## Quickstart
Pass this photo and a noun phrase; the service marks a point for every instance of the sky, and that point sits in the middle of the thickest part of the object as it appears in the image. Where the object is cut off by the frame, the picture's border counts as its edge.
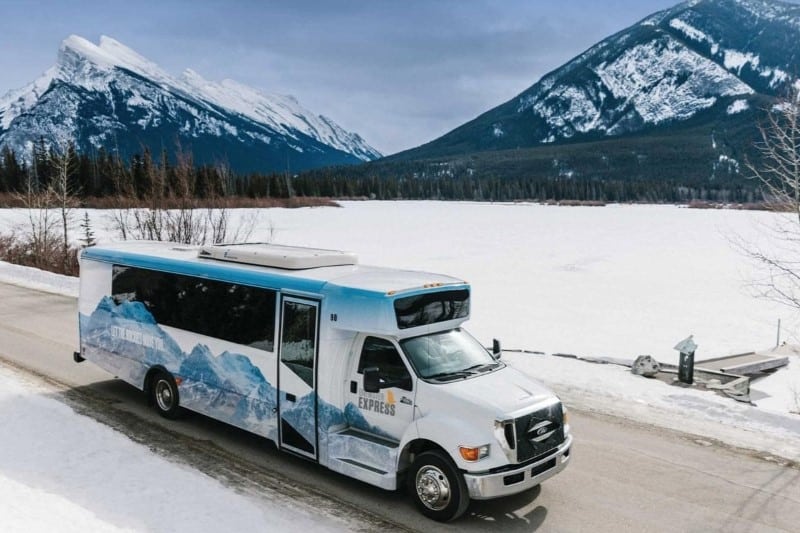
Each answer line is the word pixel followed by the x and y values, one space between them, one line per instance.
pixel 399 73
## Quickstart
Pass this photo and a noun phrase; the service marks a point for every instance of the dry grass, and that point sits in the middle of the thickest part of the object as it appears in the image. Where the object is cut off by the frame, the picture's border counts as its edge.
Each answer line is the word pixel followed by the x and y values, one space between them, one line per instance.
pixel 30 249
pixel 577 203
pixel 19 252
pixel 753 206
pixel 8 200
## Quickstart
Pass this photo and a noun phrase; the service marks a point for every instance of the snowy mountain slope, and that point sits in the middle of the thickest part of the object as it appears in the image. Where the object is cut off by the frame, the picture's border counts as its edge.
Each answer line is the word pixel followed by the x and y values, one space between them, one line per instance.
pixel 283 113
pixel 690 62
pixel 108 95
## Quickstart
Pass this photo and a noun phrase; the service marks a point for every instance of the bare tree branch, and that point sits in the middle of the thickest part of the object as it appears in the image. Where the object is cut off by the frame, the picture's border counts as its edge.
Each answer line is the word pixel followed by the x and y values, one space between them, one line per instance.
pixel 778 171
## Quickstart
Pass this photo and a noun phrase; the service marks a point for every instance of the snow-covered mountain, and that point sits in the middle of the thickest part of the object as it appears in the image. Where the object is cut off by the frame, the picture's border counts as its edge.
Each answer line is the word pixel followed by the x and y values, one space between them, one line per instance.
pixel 108 95
pixel 700 60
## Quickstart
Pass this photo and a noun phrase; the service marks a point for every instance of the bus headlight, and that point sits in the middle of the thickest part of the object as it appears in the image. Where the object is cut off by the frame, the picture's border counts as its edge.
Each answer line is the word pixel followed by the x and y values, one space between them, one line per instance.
pixel 474 453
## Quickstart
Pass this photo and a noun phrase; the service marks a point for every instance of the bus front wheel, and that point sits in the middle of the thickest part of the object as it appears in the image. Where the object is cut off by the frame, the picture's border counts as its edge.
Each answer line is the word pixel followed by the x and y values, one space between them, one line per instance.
pixel 437 487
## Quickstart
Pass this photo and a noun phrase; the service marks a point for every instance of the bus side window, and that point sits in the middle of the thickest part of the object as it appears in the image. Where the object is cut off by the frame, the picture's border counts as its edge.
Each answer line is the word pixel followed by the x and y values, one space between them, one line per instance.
pixel 382 354
pixel 235 313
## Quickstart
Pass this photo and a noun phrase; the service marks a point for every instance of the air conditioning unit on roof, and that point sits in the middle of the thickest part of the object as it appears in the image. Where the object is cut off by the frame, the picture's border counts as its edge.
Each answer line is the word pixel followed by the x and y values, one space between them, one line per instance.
pixel 278 256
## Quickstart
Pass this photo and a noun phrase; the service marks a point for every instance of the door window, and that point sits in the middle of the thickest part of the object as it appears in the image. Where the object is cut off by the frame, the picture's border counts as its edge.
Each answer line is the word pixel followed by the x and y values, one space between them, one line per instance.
pixel 299 339
pixel 382 354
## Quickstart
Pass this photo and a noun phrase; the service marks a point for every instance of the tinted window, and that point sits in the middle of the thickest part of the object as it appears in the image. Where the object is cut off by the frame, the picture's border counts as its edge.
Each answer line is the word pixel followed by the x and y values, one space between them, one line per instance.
pixel 382 354
pixel 430 308
pixel 235 313
pixel 298 342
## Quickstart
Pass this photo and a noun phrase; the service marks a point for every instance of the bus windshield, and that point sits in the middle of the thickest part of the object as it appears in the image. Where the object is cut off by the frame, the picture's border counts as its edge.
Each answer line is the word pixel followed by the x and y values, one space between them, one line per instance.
pixel 448 355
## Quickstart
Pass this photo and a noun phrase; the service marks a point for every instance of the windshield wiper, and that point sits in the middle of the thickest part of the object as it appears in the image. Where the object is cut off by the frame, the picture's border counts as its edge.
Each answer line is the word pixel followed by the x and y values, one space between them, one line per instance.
pixel 480 367
pixel 464 373
pixel 453 375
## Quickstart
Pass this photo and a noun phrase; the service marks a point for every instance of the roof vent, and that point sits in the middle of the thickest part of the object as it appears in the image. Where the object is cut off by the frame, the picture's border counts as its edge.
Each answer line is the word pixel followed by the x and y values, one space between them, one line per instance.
pixel 277 256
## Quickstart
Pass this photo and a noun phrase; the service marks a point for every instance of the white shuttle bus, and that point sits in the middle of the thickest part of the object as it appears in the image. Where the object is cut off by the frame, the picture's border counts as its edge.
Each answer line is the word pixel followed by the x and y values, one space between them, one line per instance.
pixel 365 370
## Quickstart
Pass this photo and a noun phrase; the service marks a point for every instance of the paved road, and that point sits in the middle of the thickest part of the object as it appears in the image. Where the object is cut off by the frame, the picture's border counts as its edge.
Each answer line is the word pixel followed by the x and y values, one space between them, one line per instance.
pixel 623 476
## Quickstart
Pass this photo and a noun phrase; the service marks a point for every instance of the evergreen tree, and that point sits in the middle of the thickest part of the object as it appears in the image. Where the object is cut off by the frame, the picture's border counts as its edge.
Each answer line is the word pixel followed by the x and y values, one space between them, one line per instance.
pixel 88 238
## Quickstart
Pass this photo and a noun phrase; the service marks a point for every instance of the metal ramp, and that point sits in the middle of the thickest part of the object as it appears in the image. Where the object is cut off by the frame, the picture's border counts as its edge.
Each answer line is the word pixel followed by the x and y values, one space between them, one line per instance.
pixel 744 364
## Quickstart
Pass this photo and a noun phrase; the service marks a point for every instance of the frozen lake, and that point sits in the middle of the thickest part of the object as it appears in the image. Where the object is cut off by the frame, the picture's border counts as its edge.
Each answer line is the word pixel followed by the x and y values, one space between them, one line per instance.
pixel 613 281
pixel 617 281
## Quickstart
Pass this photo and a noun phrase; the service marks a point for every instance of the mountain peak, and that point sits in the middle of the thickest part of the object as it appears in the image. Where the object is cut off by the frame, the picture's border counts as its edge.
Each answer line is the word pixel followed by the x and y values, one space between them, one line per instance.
pixel 765 11
pixel 76 51
pixel 79 45
pixel 108 95
pixel 690 62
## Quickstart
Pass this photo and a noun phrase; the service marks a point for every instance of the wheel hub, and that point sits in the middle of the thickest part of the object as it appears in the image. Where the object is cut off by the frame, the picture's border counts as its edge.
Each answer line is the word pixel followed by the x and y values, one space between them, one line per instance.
pixel 164 395
pixel 433 488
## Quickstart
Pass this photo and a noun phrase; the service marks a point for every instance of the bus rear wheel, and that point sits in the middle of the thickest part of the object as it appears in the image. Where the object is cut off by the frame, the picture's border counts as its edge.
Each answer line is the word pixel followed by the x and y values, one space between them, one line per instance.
pixel 164 395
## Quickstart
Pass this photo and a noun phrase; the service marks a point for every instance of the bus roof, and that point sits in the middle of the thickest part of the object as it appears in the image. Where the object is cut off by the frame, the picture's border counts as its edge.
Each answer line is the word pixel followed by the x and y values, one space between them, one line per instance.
pixel 299 272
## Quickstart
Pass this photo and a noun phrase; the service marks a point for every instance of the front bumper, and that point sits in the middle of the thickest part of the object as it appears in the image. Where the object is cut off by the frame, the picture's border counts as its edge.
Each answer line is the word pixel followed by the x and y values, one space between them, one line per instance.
pixel 488 486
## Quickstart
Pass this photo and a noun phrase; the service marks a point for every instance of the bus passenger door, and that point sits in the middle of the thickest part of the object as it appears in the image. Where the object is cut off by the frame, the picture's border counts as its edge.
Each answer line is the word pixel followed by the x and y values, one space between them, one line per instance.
pixel 297 376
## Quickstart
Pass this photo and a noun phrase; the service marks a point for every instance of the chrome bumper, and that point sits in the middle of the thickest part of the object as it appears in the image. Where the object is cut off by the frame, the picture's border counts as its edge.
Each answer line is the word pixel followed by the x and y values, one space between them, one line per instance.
pixel 487 486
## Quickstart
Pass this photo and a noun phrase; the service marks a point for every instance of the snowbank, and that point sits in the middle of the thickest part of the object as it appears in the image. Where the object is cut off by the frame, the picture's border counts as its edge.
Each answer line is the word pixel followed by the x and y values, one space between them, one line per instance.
pixel 60 471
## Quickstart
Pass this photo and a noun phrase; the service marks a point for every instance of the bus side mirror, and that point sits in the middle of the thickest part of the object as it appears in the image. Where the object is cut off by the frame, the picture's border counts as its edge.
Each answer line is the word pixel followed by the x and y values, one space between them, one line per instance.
pixel 497 351
pixel 372 380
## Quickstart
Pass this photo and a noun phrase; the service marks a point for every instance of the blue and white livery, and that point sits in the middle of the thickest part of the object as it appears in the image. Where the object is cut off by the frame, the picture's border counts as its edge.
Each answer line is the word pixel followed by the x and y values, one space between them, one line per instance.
pixel 365 370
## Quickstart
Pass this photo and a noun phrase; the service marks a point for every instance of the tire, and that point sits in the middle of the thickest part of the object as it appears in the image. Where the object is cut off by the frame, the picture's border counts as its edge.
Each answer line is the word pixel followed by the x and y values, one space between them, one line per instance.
pixel 437 487
pixel 164 395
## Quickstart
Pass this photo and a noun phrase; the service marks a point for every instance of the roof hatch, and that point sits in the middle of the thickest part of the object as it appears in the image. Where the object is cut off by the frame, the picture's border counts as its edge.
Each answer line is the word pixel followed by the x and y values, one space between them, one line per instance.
pixel 278 256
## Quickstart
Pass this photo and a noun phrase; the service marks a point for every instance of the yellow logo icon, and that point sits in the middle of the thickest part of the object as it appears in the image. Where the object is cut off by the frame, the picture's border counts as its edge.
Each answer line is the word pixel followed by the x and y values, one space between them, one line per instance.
pixel 389 397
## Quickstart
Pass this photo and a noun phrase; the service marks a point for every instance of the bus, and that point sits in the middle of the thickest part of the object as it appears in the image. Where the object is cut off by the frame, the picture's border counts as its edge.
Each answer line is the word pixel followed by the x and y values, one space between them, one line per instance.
pixel 365 370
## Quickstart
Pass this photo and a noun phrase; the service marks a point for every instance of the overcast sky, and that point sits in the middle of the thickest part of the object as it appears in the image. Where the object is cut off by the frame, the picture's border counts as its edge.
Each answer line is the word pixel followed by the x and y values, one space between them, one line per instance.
pixel 400 73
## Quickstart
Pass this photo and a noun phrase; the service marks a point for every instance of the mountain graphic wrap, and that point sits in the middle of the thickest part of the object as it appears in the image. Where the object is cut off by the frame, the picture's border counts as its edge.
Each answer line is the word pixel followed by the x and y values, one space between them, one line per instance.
pixel 109 96
pixel 228 386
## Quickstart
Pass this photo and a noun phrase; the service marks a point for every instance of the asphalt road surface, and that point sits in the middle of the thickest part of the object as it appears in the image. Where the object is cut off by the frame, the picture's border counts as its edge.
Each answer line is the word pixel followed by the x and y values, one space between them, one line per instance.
pixel 623 476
